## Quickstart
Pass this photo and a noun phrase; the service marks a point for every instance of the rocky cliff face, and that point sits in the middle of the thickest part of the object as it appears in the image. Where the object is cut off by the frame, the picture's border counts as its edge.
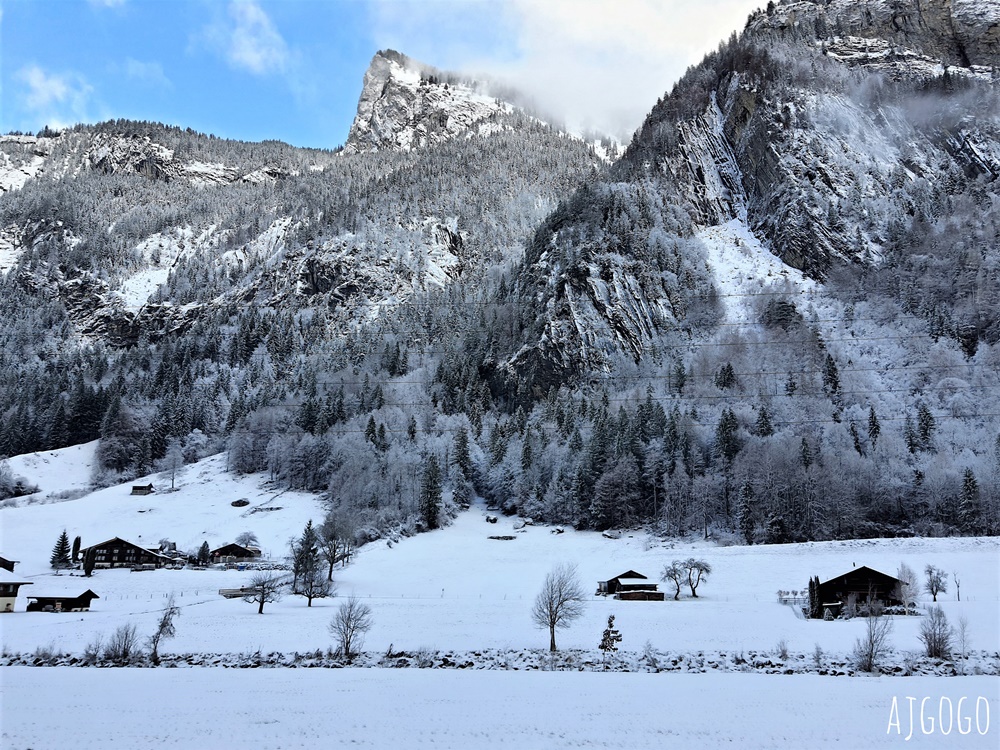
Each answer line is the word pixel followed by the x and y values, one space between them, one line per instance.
pixel 957 32
pixel 815 136
pixel 406 105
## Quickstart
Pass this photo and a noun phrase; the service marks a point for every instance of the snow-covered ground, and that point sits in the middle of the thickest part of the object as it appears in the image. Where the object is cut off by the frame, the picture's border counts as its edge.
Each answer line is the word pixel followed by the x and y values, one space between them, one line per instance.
pixel 455 589
pixel 57 473
pixel 300 708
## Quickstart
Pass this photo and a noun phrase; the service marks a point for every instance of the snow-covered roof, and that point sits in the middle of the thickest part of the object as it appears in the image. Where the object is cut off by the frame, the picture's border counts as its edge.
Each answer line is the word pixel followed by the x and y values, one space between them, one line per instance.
pixel 70 594
pixel 7 577
pixel 635 582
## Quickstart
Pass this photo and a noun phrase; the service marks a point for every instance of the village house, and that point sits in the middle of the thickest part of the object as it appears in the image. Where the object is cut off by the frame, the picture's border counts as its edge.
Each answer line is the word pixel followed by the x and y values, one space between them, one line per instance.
pixel 855 586
pixel 62 602
pixel 119 553
pixel 630 586
pixel 9 584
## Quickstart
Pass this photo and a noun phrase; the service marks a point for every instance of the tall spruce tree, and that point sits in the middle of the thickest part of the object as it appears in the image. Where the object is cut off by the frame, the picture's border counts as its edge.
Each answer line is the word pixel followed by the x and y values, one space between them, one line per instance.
pixel 430 493
pixel 61 553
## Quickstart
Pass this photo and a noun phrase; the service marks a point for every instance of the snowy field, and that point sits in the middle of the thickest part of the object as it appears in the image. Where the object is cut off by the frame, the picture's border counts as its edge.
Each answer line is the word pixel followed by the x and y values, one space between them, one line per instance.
pixel 285 708
pixel 454 589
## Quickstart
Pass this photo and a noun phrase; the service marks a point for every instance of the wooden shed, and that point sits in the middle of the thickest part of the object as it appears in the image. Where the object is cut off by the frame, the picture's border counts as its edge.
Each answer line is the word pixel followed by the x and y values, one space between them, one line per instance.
pixel 143 489
pixel 629 581
pixel 62 602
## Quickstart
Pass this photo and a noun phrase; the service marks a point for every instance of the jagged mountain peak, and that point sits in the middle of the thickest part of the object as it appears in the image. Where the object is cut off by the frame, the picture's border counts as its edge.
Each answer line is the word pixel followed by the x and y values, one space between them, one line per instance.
pixel 405 104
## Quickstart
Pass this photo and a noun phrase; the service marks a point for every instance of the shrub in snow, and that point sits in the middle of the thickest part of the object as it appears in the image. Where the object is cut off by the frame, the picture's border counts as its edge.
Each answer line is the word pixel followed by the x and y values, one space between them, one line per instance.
pixel 782 649
pixel 828 614
pixel 872 646
pixel 936 634
pixel 122 647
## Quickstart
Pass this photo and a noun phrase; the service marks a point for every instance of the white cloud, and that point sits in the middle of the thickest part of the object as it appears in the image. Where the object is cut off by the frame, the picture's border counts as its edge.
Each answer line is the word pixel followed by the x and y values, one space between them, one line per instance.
pixel 53 99
pixel 595 63
pixel 149 73
pixel 250 39
pixel 106 3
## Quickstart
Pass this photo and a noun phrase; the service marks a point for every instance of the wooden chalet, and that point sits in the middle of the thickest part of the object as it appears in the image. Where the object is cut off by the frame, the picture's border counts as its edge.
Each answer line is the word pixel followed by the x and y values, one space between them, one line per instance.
pixel 630 586
pixel 857 585
pixel 9 584
pixel 143 489
pixel 234 553
pixel 119 553
pixel 62 602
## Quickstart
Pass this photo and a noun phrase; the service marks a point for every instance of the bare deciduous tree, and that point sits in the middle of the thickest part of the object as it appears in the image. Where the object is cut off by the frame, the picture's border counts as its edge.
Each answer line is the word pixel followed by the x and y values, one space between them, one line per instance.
pixel 674 573
pixel 874 642
pixel 264 588
pixel 165 628
pixel 936 582
pixel 247 539
pixel 697 570
pixel 349 625
pixel 559 602
pixel 906 590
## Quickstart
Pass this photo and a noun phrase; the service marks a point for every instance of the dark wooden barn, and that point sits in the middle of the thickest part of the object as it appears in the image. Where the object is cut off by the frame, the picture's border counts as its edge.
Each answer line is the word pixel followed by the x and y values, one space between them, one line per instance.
pixel 856 585
pixel 8 565
pixel 62 603
pixel 234 553
pixel 119 553
pixel 143 489
pixel 629 581
pixel 9 584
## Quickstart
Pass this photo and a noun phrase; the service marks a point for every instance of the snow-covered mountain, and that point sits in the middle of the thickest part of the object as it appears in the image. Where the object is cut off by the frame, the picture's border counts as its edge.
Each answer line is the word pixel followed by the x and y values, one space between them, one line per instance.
pixel 775 317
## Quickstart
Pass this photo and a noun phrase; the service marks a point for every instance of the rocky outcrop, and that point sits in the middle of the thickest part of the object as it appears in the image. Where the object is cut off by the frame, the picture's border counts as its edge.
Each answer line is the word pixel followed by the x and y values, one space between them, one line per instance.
pixel 405 105
pixel 957 32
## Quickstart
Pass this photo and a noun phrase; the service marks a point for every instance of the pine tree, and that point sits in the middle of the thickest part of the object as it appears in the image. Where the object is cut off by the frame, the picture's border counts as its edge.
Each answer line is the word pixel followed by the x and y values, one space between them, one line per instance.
pixel 968 503
pixel 874 428
pixel 430 493
pixel 204 554
pixel 610 639
pixel 309 578
pixel 727 441
pixel 925 427
pixel 461 453
pixel 831 376
pixel 764 426
pixel 745 513
pixel 76 549
pixel 61 553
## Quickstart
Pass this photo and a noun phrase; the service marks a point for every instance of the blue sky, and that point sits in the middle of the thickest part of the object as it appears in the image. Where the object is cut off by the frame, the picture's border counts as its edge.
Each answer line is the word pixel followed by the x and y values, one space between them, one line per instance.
pixel 292 69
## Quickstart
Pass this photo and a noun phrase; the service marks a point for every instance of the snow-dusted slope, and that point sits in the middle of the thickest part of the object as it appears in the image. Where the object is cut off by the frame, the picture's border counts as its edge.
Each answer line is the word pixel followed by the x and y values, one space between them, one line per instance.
pixel 455 588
